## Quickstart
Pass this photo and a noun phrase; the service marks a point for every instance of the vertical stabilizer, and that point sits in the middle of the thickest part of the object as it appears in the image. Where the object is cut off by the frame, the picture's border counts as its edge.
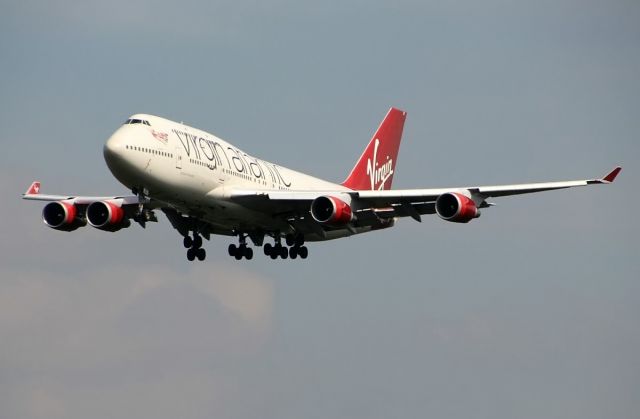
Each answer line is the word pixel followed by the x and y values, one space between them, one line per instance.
pixel 375 168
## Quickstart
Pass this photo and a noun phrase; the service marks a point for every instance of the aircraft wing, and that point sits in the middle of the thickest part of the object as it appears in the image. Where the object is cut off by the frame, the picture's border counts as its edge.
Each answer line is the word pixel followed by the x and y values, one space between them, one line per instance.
pixel 389 197
pixel 33 193
pixel 375 204
pixel 111 213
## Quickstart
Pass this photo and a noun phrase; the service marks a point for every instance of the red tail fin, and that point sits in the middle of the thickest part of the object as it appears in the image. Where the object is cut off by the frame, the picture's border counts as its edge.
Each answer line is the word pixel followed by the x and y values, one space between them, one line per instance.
pixel 377 164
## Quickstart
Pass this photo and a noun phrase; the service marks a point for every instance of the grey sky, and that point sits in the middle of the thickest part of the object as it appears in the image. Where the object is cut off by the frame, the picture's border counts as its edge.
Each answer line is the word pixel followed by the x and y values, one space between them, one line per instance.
pixel 530 311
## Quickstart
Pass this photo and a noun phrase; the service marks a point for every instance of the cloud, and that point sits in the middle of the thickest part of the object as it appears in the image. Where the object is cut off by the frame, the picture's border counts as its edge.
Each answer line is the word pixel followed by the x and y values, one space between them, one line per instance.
pixel 148 331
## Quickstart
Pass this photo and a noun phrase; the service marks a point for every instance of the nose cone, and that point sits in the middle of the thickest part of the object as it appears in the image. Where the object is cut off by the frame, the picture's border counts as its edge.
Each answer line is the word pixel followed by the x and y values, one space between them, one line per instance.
pixel 117 159
pixel 114 151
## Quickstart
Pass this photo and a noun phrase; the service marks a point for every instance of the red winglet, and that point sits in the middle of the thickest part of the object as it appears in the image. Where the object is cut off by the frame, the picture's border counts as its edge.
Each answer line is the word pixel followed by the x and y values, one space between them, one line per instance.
pixel 34 189
pixel 612 175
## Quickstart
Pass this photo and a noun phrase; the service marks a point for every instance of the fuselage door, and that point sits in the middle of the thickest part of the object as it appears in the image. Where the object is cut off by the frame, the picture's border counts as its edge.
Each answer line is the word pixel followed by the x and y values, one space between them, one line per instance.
pixel 178 158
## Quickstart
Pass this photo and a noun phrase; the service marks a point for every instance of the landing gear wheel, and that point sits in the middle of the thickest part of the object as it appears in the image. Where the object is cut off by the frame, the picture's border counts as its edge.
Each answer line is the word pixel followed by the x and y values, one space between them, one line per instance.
pixel 239 253
pixel 248 253
pixel 191 254
pixel 293 252
pixel 290 239
pixel 276 251
pixel 187 242
pixel 299 240
pixel 197 241
pixel 201 254
pixel 303 252
pixel 232 249
pixel 268 249
pixel 284 252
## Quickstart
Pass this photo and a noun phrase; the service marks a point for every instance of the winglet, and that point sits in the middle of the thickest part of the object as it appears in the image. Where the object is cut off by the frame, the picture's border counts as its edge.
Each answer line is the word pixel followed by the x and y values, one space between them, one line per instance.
pixel 34 189
pixel 612 175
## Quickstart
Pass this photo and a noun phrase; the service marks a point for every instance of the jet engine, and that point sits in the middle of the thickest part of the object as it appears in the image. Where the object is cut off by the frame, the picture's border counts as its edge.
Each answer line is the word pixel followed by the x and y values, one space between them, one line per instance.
pixel 62 216
pixel 456 208
pixel 331 210
pixel 105 215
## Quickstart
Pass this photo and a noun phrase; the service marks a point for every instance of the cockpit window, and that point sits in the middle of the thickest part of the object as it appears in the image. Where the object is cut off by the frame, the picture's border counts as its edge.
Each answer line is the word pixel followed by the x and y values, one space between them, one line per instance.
pixel 137 121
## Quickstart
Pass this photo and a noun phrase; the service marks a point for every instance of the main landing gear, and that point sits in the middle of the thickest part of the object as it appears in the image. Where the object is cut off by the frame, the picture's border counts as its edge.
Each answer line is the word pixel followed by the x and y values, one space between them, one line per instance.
pixel 242 250
pixel 296 248
pixel 195 247
pixel 293 248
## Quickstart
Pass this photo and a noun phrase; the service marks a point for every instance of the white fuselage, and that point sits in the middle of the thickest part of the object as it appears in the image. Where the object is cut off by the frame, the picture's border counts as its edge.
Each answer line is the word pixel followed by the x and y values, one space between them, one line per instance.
pixel 191 170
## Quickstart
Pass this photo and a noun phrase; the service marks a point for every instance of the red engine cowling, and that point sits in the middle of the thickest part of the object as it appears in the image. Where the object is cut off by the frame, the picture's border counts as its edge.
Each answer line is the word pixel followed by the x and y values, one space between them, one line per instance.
pixel 62 216
pixel 456 208
pixel 331 210
pixel 105 215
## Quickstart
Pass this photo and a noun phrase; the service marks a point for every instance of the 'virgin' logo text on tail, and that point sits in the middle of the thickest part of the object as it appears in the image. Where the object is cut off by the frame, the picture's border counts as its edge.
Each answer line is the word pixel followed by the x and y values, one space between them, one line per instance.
pixel 379 173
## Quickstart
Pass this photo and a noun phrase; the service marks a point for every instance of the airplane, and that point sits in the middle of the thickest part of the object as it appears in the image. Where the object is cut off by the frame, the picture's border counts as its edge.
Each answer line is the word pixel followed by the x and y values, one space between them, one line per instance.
pixel 206 186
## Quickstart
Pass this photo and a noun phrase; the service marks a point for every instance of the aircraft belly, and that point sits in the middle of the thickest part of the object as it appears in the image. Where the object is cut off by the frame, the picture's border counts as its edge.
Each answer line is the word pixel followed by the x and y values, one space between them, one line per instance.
pixel 226 215
pixel 241 218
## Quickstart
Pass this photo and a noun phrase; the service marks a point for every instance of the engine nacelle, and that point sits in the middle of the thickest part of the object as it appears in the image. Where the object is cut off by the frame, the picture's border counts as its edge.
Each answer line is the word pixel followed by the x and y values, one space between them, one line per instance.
pixel 61 216
pixel 105 215
pixel 331 210
pixel 456 208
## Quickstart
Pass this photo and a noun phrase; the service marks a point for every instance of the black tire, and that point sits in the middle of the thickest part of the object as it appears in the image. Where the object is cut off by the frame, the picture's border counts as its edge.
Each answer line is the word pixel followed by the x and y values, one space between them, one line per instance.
pixel 299 240
pixel 241 252
pixel 197 241
pixel 284 252
pixel 303 252
pixel 290 239
pixel 293 252
pixel 267 249
pixel 187 242
pixel 276 251
pixel 191 255
pixel 232 249
pixel 248 253
pixel 201 254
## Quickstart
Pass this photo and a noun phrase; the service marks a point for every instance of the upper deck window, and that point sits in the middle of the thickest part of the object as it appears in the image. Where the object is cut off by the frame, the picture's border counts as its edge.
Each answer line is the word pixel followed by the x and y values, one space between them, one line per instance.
pixel 137 121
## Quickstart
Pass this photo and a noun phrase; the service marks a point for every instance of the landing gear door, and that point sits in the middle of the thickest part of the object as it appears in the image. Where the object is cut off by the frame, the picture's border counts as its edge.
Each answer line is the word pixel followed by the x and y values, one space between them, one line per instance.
pixel 178 158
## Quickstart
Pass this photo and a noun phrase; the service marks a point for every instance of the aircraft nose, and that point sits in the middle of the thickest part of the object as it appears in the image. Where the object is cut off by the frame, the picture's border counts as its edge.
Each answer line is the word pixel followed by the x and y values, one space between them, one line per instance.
pixel 114 144
pixel 119 161
pixel 114 150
